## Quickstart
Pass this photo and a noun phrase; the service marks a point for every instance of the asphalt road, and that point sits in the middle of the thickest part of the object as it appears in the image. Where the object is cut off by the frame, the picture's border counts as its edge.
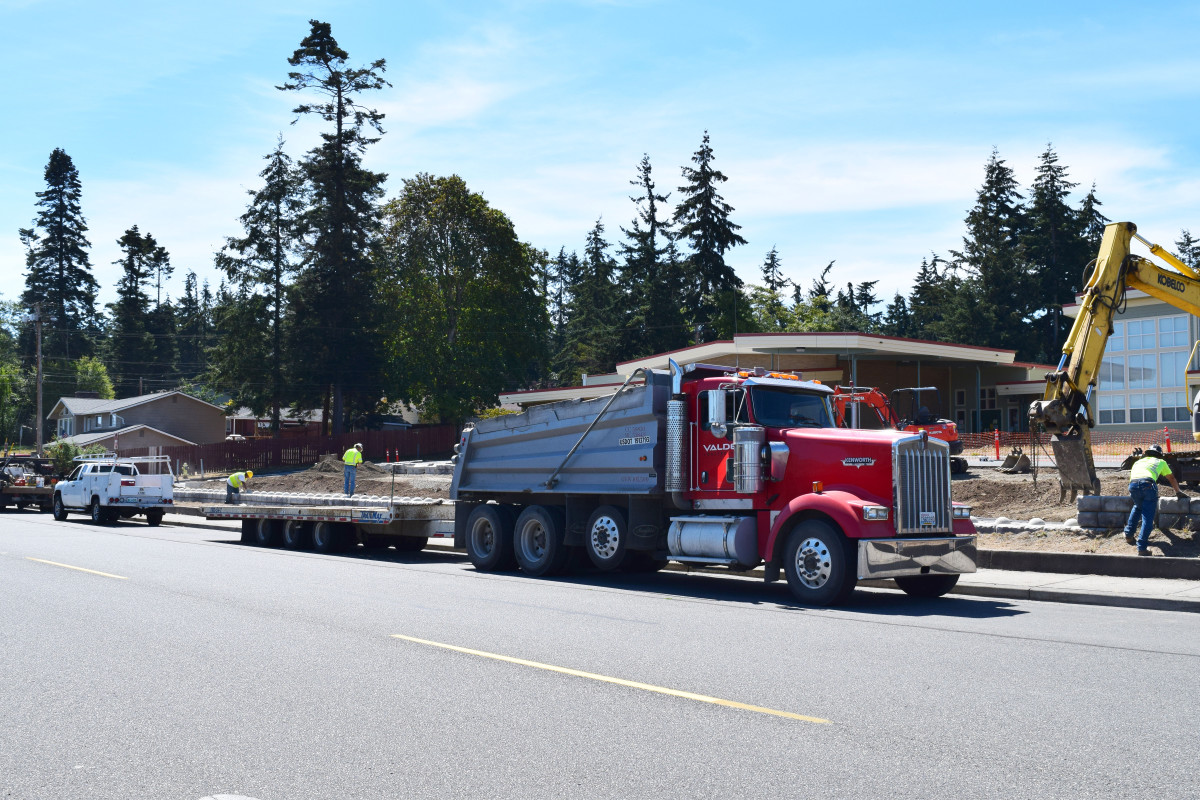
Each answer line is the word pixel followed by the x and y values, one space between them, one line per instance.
pixel 186 665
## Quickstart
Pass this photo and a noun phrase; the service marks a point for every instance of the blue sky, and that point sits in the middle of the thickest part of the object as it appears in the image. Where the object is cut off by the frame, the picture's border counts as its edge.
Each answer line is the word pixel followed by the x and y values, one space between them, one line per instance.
pixel 854 132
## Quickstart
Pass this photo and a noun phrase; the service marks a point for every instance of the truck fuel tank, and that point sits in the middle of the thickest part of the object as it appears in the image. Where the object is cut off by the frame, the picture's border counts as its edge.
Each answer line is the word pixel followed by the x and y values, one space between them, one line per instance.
pixel 726 539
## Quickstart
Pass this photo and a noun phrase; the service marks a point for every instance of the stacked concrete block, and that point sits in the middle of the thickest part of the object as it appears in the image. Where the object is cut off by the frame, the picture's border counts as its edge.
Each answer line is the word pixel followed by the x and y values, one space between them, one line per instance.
pixel 1110 513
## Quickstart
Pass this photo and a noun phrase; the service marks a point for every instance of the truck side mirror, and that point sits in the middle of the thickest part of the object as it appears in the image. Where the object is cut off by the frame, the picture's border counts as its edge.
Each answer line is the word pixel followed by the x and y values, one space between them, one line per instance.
pixel 716 413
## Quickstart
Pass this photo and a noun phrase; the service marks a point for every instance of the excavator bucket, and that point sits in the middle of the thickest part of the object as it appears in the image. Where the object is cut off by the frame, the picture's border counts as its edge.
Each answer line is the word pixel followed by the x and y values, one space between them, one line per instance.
pixel 1076 470
pixel 1010 460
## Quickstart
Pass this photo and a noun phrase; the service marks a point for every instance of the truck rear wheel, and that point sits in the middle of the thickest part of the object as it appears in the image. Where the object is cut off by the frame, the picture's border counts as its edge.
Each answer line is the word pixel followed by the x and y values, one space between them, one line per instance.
pixel 97 512
pixel 538 541
pixel 606 536
pixel 297 534
pixel 926 585
pixel 490 538
pixel 266 532
pixel 816 560
pixel 60 511
pixel 154 517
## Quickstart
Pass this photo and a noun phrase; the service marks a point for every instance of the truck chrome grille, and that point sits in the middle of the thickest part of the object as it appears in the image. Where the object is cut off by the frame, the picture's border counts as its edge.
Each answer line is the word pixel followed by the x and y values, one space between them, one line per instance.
pixel 922 481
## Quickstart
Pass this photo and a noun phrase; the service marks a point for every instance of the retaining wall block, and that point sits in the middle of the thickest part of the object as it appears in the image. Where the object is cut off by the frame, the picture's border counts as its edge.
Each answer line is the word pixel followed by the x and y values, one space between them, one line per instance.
pixel 1114 504
pixel 1112 519
pixel 1089 502
pixel 1089 519
pixel 1174 505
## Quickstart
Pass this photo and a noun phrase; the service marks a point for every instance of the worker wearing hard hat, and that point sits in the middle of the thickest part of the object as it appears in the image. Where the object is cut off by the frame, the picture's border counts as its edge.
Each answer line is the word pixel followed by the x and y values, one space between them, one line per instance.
pixel 233 487
pixel 352 458
pixel 1143 488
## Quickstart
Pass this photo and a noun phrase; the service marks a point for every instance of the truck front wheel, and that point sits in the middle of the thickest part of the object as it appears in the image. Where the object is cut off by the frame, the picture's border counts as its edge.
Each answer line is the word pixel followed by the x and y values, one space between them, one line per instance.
pixel 606 537
pixel 490 538
pixel 816 560
pixel 926 585
pixel 538 541
pixel 60 511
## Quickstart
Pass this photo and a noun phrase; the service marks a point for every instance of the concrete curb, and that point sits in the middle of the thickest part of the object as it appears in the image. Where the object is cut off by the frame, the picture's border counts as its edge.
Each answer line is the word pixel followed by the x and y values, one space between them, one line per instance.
pixel 1131 566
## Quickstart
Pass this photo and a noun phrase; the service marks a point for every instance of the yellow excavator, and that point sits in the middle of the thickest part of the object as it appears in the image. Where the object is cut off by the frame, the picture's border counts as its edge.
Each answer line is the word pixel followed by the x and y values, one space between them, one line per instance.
pixel 1066 407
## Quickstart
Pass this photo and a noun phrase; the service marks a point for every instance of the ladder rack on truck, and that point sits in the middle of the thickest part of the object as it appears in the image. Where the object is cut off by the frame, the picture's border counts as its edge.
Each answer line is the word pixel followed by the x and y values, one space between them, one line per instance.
pixel 405 525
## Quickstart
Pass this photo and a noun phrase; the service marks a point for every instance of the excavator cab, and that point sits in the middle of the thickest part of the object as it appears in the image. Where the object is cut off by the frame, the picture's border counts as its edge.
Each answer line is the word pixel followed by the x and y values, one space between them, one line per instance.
pixel 919 406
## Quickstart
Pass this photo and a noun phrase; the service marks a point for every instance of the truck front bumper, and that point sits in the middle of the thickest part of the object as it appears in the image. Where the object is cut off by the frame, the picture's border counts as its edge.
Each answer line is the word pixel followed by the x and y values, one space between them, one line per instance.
pixel 891 558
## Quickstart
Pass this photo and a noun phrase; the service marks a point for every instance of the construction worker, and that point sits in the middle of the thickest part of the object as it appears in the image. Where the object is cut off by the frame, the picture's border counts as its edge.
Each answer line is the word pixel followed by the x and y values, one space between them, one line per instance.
pixel 352 458
pixel 1143 488
pixel 233 487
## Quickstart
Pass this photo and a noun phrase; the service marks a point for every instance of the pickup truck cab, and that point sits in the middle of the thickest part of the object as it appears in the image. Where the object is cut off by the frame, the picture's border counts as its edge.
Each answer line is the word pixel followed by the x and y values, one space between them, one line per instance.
pixel 108 488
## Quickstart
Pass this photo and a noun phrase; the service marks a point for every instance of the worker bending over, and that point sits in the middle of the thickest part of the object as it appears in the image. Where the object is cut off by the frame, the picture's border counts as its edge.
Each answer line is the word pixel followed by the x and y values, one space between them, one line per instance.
pixel 233 487
pixel 1143 488
pixel 352 458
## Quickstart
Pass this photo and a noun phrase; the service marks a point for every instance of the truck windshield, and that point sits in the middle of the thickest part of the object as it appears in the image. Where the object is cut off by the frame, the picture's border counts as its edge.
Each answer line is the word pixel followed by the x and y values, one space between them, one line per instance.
pixel 776 408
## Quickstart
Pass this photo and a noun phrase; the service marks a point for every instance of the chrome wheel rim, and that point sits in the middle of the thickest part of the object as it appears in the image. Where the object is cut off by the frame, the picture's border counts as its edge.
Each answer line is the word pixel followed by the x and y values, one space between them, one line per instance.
pixel 533 541
pixel 605 537
pixel 483 537
pixel 814 564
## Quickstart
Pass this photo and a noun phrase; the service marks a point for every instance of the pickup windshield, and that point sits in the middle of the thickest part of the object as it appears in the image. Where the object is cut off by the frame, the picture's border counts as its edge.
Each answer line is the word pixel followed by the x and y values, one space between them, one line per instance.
pixel 776 408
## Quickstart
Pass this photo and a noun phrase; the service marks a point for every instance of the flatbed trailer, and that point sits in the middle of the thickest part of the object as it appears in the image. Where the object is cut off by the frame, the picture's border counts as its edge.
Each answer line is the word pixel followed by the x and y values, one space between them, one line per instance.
pixel 407 526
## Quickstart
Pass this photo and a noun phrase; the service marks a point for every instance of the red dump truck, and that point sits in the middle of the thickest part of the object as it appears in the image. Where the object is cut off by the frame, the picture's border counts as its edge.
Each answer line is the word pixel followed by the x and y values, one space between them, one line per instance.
pixel 712 465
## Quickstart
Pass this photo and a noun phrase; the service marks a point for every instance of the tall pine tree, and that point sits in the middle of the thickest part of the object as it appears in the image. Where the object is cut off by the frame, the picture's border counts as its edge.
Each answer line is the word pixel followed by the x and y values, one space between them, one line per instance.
pixel 131 345
pixel 652 281
pixel 334 297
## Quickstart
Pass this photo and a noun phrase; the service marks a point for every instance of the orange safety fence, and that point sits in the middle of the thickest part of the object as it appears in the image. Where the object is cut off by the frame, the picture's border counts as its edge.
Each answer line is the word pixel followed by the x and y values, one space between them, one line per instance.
pixel 1104 443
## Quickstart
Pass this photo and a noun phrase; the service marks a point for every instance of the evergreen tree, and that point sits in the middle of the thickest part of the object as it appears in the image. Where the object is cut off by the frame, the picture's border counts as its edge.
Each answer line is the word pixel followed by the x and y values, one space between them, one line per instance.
pixel 994 259
pixel 897 320
pixel 132 350
pixel 1056 246
pixel 1188 249
pixel 334 295
pixel 772 272
pixel 161 324
pixel 263 263
pixel 771 312
pixel 1092 220
pixel 59 273
pixel 652 282
pixel 194 324
pixel 703 220
pixel 593 337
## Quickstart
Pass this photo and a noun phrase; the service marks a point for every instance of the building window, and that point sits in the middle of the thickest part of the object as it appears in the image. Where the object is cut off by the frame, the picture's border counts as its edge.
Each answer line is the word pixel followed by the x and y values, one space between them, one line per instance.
pixel 1112 409
pixel 1116 342
pixel 1174 407
pixel 960 398
pixel 1112 373
pixel 1172 366
pixel 1143 407
pixel 987 399
pixel 1172 332
pixel 1141 371
pixel 1141 334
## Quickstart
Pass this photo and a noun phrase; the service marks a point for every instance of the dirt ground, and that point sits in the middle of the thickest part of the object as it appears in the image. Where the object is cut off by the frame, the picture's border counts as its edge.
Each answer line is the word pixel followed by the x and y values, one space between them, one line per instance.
pixel 990 494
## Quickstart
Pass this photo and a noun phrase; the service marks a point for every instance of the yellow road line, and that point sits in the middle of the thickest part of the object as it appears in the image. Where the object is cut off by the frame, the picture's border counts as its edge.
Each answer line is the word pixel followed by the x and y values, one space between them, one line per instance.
pixel 81 569
pixel 618 681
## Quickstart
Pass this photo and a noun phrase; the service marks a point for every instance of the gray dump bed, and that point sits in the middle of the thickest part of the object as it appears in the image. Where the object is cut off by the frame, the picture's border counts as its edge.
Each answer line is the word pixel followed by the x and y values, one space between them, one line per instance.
pixel 517 453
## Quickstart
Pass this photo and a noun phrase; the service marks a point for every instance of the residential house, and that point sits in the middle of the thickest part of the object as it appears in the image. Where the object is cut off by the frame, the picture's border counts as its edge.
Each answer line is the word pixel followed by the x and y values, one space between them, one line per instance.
pixel 149 420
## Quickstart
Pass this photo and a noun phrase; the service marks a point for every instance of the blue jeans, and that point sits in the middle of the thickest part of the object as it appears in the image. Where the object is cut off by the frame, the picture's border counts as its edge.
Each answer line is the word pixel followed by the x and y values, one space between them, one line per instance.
pixel 351 471
pixel 233 494
pixel 1145 505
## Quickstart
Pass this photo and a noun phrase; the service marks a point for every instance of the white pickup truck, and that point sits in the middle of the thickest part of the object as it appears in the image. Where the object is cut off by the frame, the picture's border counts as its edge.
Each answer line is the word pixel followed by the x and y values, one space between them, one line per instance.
pixel 107 487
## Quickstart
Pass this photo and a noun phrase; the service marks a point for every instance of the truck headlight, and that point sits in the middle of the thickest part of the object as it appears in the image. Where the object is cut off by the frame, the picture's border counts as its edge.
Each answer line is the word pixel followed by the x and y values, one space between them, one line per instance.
pixel 875 512
pixel 962 512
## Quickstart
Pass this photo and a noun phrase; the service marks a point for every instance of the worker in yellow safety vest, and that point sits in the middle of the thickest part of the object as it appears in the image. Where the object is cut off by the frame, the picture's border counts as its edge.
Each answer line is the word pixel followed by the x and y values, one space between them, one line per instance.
pixel 233 487
pixel 1143 488
pixel 352 458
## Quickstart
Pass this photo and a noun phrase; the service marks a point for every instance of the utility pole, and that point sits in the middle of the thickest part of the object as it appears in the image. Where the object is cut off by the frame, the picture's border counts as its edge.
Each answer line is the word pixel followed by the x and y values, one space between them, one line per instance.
pixel 37 320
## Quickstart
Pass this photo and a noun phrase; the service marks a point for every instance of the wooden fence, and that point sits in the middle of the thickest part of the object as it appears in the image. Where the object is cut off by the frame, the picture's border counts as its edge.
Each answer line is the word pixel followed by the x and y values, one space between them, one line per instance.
pixel 419 442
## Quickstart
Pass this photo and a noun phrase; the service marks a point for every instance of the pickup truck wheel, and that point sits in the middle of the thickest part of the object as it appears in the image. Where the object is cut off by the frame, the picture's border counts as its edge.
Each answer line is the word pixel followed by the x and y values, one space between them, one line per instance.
pixel 816 560
pixel 154 516
pixel 411 544
pixel 328 537
pixel 606 536
pixel 926 585
pixel 538 541
pixel 59 510
pixel 297 535
pixel 99 515
pixel 490 538
pixel 266 532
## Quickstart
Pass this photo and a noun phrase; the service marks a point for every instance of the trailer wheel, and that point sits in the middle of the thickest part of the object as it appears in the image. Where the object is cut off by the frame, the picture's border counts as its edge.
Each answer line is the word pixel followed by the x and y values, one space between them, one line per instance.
pixel 297 534
pixel 60 511
pixel 411 544
pixel 816 560
pixel 926 585
pixel 327 537
pixel 606 536
pixel 267 532
pixel 538 540
pixel 490 538
pixel 247 531
pixel 154 517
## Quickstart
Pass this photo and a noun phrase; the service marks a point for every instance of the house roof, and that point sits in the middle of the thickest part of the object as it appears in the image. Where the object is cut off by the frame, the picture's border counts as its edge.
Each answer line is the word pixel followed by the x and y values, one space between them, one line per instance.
pixel 82 406
pixel 84 439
